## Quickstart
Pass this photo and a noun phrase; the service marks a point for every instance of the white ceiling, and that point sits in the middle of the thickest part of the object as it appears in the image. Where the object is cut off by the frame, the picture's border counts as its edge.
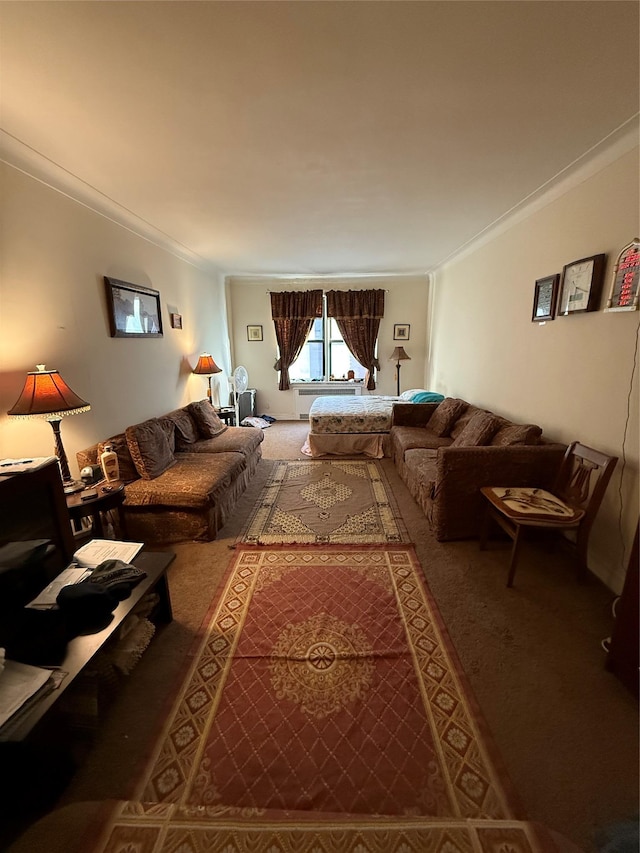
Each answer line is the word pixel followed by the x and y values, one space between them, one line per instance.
pixel 315 137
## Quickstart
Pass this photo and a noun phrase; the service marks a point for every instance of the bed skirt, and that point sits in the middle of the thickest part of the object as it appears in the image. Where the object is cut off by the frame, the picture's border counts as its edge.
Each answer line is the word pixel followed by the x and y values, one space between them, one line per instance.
pixel 374 445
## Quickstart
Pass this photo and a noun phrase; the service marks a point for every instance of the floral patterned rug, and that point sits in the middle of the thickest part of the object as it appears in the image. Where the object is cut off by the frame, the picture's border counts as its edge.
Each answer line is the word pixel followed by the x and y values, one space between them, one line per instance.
pixel 336 502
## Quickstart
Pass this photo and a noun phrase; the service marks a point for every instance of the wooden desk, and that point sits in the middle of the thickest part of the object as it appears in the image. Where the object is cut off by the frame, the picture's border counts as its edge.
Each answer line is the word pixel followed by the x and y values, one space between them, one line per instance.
pixel 82 649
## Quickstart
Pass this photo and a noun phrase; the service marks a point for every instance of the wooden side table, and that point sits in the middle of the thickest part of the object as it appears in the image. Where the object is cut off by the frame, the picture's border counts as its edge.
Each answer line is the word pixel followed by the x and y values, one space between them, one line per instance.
pixel 110 496
pixel 228 415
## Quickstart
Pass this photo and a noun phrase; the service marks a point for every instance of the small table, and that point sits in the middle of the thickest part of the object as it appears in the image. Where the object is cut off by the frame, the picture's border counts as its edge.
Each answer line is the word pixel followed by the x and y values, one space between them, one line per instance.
pixel 110 496
pixel 228 415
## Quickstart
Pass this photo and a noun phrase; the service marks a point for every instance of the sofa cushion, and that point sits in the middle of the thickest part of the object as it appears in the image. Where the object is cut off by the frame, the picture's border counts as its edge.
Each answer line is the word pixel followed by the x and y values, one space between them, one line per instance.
pixel 208 423
pixel 194 482
pixel 510 434
pixel 478 431
pixel 149 448
pixel 407 438
pixel 469 413
pixel 186 431
pixel 442 420
pixel 126 465
pixel 241 439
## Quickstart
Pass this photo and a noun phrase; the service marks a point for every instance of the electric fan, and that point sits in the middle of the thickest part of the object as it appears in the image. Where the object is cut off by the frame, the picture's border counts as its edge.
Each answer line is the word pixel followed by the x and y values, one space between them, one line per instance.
pixel 240 381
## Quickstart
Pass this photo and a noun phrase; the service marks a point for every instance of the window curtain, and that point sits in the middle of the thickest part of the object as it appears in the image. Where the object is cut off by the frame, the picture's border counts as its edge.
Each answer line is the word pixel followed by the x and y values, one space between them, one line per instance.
pixel 293 314
pixel 358 314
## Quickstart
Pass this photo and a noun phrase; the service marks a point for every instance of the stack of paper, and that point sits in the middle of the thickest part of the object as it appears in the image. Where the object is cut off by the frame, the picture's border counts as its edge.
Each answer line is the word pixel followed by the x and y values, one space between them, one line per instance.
pixel 99 550
pixel 18 683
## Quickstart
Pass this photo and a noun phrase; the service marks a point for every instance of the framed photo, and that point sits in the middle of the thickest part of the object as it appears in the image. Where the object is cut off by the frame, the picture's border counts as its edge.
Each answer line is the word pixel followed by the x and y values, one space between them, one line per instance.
pixel 176 321
pixel 134 311
pixel 581 285
pixel 401 331
pixel 254 333
pixel 623 295
pixel 545 297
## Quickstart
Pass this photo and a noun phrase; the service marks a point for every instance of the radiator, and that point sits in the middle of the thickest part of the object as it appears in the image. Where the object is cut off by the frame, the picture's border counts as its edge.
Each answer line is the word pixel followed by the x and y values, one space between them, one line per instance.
pixel 305 396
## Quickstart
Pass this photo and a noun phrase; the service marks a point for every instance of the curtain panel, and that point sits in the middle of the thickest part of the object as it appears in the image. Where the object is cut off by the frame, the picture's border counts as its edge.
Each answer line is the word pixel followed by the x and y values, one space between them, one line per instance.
pixel 358 314
pixel 293 313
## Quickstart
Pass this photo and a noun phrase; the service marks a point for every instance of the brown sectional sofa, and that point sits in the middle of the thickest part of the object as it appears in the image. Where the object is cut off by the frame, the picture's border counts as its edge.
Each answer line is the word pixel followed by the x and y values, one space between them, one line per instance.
pixel 445 452
pixel 183 473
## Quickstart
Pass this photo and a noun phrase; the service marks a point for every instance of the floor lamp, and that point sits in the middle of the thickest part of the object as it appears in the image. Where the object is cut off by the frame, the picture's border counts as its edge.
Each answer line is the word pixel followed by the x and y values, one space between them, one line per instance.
pixel 206 366
pixel 46 395
pixel 399 355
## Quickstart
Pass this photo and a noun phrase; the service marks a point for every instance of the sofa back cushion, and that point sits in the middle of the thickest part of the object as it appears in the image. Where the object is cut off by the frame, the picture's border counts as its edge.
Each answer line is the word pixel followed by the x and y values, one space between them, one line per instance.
pixel 185 429
pixel 470 412
pixel 126 465
pixel 478 431
pixel 510 434
pixel 442 420
pixel 208 423
pixel 149 447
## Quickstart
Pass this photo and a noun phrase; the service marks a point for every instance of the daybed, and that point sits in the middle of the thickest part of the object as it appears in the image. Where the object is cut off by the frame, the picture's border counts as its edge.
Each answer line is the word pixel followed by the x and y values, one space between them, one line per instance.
pixel 183 472
pixel 356 425
pixel 446 452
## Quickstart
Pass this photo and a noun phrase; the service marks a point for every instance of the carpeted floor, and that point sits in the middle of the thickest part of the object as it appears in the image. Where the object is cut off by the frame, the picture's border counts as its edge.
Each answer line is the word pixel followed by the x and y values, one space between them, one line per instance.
pixel 565 727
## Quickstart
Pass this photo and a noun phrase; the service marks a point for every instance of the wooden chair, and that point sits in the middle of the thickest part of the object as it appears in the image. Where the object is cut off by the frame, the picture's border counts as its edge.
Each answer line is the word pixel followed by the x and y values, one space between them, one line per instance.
pixel 571 505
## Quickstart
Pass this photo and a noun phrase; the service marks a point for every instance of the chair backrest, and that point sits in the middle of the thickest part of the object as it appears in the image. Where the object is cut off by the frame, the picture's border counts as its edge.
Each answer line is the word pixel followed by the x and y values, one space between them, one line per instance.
pixel 583 479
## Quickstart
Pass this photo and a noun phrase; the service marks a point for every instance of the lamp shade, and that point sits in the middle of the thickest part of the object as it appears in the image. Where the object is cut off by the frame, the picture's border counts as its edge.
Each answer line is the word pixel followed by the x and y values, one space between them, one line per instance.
pixel 206 365
pixel 46 393
pixel 399 355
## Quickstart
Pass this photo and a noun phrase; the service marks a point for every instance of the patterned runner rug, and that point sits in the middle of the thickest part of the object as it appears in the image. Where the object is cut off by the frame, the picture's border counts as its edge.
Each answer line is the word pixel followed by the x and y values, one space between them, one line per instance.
pixel 324 711
pixel 347 502
pixel 324 681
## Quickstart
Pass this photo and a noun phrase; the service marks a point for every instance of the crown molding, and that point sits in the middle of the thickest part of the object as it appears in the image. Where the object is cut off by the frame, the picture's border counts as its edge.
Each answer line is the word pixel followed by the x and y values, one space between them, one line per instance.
pixel 30 162
pixel 617 144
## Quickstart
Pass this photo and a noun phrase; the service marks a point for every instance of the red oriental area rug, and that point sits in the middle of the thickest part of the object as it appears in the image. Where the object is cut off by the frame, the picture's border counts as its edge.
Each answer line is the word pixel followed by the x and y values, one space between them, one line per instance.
pixel 324 682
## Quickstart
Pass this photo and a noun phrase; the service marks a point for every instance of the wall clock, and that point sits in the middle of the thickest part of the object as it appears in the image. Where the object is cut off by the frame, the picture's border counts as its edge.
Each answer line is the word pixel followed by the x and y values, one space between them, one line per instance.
pixel 581 285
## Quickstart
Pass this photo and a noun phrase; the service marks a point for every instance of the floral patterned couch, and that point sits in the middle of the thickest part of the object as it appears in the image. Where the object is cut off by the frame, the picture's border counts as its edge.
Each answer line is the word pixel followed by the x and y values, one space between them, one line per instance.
pixel 183 472
pixel 445 452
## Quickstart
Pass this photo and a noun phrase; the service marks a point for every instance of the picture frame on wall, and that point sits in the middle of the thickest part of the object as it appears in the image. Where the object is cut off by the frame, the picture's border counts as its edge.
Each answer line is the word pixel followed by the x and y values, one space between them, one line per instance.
pixel 545 298
pixel 134 311
pixel 176 321
pixel 401 331
pixel 254 333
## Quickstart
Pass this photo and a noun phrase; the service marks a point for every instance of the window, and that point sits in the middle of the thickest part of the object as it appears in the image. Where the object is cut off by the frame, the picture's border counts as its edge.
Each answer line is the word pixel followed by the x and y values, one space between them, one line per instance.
pixel 324 354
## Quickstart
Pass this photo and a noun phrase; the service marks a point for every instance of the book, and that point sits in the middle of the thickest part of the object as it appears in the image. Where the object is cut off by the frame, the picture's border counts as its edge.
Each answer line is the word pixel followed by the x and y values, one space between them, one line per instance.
pixel 98 550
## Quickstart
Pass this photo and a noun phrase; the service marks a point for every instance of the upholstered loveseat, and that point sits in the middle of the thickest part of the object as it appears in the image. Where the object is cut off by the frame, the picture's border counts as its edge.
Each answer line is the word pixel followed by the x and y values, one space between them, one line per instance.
pixel 183 472
pixel 446 452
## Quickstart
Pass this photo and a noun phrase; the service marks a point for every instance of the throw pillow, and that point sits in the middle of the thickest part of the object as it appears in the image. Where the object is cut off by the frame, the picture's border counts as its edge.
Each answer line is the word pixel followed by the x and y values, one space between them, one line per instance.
pixel 407 396
pixel 126 465
pixel 478 431
pixel 150 449
pixel 186 431
pixel 516 434
pixel 208 423
pixel 445 416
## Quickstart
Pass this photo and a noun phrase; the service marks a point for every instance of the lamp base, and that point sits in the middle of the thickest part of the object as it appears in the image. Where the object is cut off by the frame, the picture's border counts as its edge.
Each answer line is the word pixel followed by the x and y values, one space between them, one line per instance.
pixel 73 486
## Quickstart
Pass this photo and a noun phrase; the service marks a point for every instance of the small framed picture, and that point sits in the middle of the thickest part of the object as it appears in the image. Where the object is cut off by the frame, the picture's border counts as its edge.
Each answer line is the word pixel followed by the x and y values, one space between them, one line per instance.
pixel 545 298
pixel 401 331
pixel 254 333
pixel 176 321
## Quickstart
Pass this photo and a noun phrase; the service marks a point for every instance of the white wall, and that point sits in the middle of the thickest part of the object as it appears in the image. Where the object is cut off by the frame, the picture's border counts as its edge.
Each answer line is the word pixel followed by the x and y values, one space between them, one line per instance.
pixel 406 301
pixel 54 253
pixel 574 376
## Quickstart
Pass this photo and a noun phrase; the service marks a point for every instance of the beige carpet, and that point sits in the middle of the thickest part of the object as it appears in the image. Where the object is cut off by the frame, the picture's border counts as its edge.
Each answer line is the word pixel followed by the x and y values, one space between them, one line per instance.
pixel 335 501
pixel 567 729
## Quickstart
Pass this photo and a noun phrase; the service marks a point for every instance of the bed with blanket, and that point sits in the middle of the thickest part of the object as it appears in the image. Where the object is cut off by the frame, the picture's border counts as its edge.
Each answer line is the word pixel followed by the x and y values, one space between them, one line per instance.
pixel 353 426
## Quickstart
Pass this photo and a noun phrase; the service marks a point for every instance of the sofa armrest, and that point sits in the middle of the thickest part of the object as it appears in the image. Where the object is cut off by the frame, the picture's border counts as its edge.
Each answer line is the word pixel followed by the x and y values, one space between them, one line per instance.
pixel 458 506
pixel 412 414
pixel 88 456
